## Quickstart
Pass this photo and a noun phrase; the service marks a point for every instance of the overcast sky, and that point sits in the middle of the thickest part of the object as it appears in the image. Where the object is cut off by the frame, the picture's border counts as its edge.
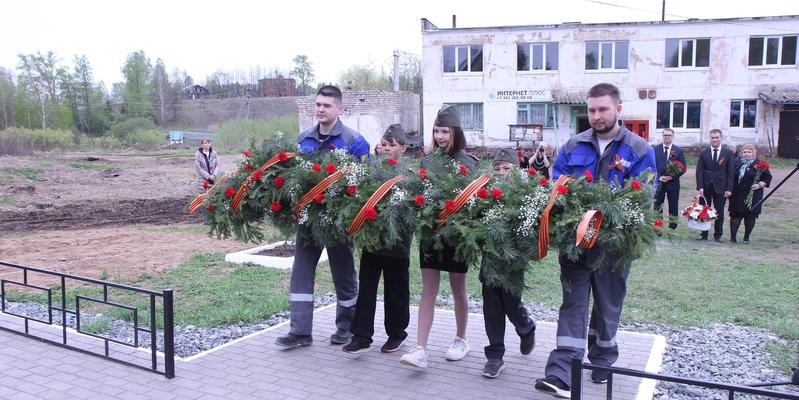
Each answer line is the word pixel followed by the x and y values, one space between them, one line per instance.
pixel 202 36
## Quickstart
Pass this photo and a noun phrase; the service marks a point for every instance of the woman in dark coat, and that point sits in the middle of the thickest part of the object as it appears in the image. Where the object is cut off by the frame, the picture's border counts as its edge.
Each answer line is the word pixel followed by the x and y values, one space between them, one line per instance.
pixel 744 179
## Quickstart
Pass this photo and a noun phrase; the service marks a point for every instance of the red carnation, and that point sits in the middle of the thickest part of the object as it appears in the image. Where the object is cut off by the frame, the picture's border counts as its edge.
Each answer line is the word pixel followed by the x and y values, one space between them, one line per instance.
pixel 563 189
pixel 588 176
pixel 230 192
pixel 319 198
pixel 392 161
pixel 275 207
pixel 496 193
pixel 703 214
pixel 210 207
pixel 370 213
pixel 282 156
pixel 419 200
pixel 245 153
pixel 762 165
pixel 463 170
pixel 249 167
pixel 531 171
pixel 330 168
pixel 316 167
pixel 679 165
pixel 279 181
pixel 206 184
pixel 635 185
pixel 543 181
pixel 659 223
pixel 449 205
pixel 351 189
pixel 422 173
pixel 257 175
pixel 482 193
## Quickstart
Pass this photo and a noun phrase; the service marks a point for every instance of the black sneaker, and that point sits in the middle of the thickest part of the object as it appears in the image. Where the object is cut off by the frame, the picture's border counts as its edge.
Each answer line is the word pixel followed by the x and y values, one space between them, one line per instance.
pixel 291 341
pixel 340 337
pixel 527 342
pixel 493 367
pixel 599 376
pixel 552 385
pixel 356 346
pixel 392 345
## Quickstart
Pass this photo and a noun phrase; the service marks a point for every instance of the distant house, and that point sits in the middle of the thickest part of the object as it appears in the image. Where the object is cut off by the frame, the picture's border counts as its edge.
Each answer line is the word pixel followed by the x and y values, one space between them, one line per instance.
pixel 192 92
pixel 278 87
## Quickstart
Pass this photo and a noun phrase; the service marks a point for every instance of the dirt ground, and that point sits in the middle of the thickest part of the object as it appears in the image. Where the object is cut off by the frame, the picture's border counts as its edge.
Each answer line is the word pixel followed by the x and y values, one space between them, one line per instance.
pixel 127 216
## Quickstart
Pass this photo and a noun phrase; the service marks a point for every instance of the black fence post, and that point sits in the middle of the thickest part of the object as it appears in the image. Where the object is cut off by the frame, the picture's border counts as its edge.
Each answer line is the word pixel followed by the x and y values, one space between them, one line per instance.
pixel 577 379
pixel 169 335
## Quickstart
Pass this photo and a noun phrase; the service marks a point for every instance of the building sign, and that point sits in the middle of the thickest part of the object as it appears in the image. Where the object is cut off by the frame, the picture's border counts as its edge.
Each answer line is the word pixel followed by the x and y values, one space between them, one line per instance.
pixel 521 95
pixel 526 133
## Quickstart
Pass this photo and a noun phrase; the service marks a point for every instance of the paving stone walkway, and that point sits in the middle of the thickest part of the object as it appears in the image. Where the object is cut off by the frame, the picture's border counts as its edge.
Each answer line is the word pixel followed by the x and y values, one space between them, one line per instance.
pixel 254 368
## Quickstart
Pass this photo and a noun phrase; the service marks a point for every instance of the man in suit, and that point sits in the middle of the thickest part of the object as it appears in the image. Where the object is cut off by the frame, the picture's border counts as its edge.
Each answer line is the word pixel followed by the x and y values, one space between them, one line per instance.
pixel 714 174
pixel 669 186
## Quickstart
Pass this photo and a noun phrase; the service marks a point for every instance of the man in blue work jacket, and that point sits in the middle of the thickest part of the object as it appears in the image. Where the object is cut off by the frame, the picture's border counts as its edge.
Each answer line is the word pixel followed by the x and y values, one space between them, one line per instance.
pixel 328 135
pixel 613 153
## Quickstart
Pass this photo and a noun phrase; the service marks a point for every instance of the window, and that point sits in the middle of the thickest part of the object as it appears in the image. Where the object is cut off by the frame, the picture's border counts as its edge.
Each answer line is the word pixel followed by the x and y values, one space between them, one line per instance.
pixel 687 53
pixel 471 115
pixel 679 114
pixel 537 57
pixel 743 113
pixel 537 113
pixel 606 55
pixel 463 58
pixel 772 50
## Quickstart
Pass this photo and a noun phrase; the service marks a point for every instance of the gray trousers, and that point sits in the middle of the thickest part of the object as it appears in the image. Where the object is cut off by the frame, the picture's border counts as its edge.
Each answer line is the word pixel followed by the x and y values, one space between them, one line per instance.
pixel 301 292
pixel 608 288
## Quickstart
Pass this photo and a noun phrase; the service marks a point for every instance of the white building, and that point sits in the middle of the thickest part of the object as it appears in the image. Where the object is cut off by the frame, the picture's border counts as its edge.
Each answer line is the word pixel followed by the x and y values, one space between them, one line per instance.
pixel 738 75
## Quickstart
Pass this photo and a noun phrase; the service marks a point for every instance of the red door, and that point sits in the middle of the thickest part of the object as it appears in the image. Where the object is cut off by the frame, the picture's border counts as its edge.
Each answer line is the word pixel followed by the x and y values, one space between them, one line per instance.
pixel 638 126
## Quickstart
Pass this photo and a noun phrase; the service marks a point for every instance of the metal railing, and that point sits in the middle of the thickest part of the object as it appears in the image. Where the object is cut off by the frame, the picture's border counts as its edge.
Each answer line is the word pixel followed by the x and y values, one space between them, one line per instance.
pixel 168 317
pixel 577 366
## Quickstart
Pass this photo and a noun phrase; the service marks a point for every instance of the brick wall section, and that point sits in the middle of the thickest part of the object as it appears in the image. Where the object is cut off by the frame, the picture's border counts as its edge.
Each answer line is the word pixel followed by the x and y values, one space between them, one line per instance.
pixel 376 110
pixel 206 114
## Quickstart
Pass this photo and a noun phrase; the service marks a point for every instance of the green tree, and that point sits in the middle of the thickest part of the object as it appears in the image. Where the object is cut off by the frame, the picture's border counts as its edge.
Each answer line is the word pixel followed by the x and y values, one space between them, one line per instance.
pixel 160 89
pixel 303 71
pixel 7 90
pixel 364 77
pixel 137 71
pixel 410 73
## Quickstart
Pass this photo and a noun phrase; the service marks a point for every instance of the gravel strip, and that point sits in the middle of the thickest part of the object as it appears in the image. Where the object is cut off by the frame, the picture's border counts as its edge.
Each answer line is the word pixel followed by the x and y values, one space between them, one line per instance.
pixel 720 352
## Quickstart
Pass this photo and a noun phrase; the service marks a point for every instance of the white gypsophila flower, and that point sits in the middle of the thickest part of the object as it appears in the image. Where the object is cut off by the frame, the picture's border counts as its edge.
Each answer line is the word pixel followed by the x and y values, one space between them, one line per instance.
pixel 341 155
pixel 307 164
pixel 471 202
pixel 494 214
pixel 303 215
pixel 632 214
pixel 355 173
pixel 533 204
pixel 397 195
pixel 428 189
pixel 331 192
pixel 589 232
pixel 325 217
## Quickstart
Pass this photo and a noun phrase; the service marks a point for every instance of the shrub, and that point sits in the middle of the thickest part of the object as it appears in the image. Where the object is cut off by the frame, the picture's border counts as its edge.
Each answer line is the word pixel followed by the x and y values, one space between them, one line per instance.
pixel 26 141
pixel 121 130
pixel 235 134
pixel 144 139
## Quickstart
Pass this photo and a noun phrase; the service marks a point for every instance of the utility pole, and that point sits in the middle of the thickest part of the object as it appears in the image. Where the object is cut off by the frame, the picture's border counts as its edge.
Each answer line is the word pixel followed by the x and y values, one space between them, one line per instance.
pixel 396 70
pixel 663 12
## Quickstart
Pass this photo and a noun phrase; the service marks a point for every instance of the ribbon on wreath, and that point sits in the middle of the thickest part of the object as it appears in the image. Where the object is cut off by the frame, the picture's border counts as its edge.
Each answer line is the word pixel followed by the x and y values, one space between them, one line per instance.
pixel 588 229
pixel 463 197
pixel 543 229
pixel 250 181
pixel 360 217
pixel 198 201
pixel 320 187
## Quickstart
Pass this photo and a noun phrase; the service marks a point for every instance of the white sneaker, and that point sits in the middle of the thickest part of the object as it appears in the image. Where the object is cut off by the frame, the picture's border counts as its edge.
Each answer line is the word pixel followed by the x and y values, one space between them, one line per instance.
pixel 458 349
pixel 415 358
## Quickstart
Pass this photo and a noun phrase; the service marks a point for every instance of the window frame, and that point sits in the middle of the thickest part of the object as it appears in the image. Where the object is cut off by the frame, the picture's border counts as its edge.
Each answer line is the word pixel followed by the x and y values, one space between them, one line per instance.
pixel 464 126
pixel 599 56
pixel 543 69
pixel 469 58
pixel 684 104
pixel 780 47
pixel 694 51
pixel 550 111
pixel 741 116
